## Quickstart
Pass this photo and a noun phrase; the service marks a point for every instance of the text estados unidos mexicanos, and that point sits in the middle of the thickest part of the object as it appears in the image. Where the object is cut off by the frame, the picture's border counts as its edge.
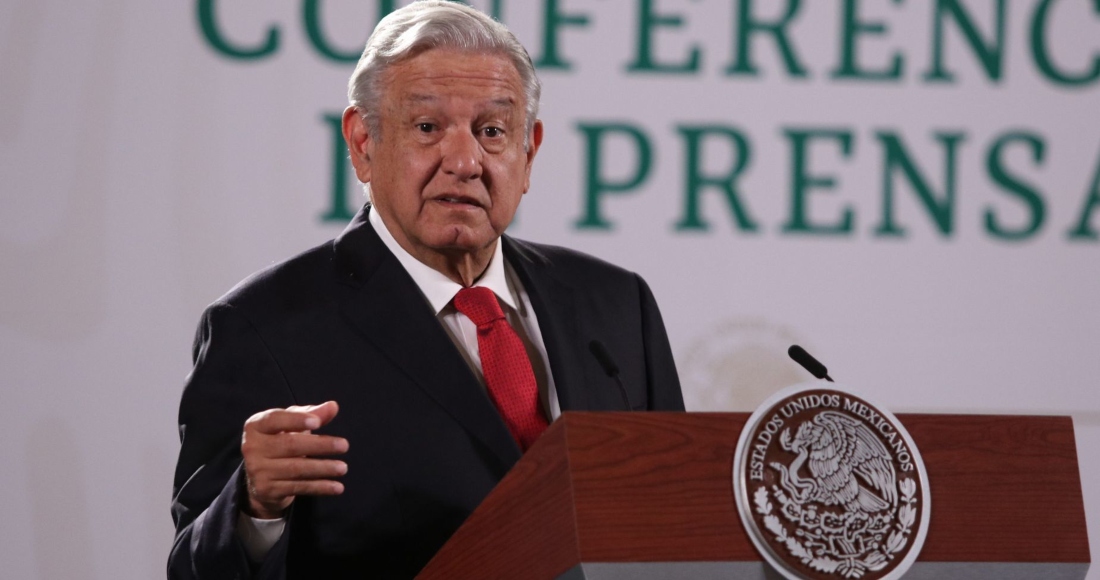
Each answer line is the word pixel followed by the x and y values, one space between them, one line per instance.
pixel 890 436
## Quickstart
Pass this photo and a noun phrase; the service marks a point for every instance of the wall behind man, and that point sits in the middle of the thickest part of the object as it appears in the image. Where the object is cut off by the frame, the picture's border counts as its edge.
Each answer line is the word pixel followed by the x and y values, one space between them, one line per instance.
pixel 909 189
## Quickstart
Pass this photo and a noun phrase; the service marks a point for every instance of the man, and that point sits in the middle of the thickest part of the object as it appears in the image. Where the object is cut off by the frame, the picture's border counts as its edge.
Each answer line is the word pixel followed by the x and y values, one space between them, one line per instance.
pixel 387 380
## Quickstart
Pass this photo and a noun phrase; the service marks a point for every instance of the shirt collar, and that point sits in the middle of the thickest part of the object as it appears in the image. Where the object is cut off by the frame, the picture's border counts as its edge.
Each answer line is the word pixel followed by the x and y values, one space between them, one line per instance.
pixel 437 288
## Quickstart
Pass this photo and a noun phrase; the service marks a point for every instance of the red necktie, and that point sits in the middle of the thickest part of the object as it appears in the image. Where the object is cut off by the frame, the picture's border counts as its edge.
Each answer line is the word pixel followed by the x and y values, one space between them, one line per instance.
pixel 504 363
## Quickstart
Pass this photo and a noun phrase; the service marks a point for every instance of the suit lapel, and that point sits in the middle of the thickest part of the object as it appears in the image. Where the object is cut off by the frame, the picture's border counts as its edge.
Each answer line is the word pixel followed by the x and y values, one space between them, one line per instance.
pixel 391 313
pixel 555 305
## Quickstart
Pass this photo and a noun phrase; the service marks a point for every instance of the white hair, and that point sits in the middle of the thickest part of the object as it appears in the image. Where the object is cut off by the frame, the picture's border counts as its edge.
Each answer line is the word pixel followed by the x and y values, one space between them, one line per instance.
pixel 428 24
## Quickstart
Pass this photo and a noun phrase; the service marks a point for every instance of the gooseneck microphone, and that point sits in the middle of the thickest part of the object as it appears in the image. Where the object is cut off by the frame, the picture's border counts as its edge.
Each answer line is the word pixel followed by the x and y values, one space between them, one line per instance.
pixel 604 358
pixel 808 362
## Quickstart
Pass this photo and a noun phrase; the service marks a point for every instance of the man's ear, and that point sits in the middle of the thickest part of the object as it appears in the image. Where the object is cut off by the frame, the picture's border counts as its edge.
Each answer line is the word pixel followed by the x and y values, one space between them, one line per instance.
pixel 358 138
pixel 533 145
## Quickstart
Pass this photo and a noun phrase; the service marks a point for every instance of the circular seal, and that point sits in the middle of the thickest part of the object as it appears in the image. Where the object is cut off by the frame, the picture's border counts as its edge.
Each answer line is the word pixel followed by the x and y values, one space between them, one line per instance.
pixel 737 364
pixel 829 485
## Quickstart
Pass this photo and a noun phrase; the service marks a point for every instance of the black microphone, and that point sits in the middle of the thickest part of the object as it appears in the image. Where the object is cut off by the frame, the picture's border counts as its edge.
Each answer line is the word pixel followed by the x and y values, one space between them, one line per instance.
pixel 604 358
pixel 808 362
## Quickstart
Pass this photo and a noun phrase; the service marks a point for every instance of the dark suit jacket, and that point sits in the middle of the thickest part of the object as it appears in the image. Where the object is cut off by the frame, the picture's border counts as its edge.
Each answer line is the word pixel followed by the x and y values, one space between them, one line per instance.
pixel 345 322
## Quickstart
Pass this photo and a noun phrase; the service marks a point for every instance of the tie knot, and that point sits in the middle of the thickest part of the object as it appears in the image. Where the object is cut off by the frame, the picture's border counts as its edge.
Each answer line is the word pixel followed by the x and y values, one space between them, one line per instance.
pixel 479 305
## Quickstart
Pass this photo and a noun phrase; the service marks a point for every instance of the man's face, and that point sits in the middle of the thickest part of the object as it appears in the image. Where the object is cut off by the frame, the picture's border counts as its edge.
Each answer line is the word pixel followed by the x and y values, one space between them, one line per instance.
pixel 449 168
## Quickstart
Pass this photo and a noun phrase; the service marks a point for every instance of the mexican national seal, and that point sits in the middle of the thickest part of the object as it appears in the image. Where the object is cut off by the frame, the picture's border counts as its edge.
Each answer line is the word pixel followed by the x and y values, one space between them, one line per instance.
pixel 830 486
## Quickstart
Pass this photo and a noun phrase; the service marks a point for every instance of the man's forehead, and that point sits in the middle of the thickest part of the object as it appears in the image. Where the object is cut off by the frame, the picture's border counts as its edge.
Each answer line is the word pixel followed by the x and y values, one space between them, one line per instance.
pixel 431 99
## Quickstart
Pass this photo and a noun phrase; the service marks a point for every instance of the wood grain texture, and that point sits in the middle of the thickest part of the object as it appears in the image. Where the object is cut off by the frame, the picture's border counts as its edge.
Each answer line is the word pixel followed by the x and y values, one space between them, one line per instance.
pixel 525 528
pixel 657 487
pixel 1004 488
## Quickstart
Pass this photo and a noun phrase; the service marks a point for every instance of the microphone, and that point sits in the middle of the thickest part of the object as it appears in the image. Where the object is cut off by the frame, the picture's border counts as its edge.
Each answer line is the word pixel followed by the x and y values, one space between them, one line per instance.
pixel 808 362
pixel 604 358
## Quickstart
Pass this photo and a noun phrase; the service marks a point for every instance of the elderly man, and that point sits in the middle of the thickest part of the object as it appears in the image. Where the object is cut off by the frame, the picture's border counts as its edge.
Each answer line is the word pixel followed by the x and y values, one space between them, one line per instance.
pixel 445 347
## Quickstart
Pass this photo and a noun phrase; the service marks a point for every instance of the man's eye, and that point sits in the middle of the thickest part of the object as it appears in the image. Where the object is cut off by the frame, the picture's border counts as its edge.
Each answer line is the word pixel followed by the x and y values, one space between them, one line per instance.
pixel 493 132
pixel 425 127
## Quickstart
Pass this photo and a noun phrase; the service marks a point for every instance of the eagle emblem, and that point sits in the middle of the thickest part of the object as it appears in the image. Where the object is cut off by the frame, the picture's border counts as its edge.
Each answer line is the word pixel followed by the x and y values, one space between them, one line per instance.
pixel 849 465
pixel 830 486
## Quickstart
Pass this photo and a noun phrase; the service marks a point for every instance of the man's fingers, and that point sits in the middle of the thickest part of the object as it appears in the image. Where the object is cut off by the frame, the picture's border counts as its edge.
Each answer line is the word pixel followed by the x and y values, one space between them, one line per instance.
pixel 283 445
pixel 300 468
pixel 304 445
pixel 275 496
pixel 274 483
pixel 278 451
pixel 325 412
pixel 307 487
pixel 291 419
pixel 308 469
pixel 282 420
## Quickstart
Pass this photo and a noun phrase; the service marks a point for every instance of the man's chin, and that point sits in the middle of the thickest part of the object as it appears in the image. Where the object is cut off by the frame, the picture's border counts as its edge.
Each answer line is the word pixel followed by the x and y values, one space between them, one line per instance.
pixel 461 239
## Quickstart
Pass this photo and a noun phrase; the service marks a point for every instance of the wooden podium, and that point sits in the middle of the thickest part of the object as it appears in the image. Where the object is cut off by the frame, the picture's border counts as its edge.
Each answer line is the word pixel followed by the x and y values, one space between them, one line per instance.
pixel 650 495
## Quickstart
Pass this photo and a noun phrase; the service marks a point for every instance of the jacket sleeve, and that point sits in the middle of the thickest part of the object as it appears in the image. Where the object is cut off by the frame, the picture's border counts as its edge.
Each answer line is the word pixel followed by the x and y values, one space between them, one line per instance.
pixel 234 377
pixel 662 380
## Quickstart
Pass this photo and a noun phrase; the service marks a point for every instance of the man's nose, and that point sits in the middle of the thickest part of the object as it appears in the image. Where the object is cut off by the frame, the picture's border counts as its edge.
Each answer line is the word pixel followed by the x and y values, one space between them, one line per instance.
pixel 461 155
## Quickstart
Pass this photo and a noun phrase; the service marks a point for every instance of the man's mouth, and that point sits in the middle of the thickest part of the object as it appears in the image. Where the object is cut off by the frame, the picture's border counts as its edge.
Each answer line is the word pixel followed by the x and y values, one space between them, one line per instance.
pixel 458 200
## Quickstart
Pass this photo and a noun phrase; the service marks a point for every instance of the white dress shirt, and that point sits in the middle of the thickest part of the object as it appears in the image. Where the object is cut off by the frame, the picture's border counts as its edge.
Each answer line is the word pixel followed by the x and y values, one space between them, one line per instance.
pixel 499 277
pixel 260 535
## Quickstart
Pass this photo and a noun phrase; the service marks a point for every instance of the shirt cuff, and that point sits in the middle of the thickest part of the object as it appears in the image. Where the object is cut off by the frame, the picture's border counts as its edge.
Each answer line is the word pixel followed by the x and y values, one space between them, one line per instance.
pixel 258 536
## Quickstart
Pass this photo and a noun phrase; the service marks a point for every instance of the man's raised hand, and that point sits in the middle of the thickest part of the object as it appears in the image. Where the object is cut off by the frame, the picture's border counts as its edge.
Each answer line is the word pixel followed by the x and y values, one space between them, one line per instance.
pixel 280 457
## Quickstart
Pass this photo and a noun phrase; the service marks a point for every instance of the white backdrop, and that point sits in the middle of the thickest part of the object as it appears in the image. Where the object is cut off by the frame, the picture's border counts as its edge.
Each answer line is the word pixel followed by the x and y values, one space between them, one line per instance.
pixel 145 171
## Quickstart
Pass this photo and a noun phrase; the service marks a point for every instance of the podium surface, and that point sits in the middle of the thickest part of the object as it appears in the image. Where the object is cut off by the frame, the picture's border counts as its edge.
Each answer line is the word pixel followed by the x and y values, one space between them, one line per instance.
pixel 650 495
